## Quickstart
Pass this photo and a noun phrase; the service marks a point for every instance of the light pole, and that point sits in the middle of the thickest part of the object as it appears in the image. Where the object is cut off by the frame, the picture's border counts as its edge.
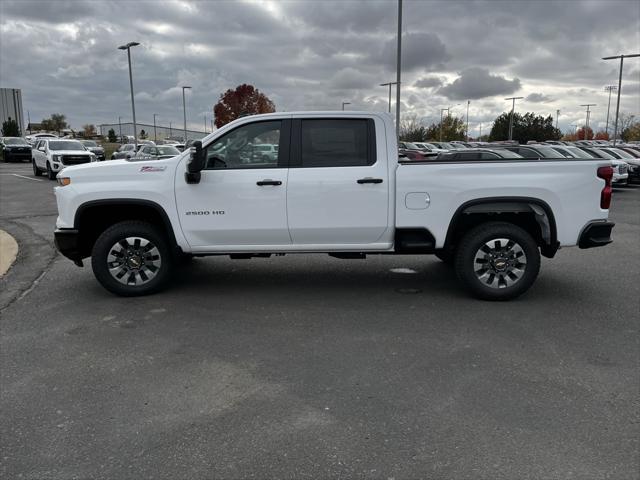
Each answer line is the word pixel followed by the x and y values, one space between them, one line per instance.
pixel 205 123
pixel 513 107
pixel 586 124
pixel 345 103
pixel 609 88
pixel 557 116
pixel 441 111
pixel 127 47
pixel 621 57
pixel 575 128
pixel 389 84
pixel 398 68
pixel 170 130
pixel 155 134
pixel 467 129
pixel 184 112
pixel 120 127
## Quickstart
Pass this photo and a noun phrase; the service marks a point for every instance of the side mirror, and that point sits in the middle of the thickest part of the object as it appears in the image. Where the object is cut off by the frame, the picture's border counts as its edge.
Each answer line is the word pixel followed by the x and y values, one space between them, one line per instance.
pixel 196 163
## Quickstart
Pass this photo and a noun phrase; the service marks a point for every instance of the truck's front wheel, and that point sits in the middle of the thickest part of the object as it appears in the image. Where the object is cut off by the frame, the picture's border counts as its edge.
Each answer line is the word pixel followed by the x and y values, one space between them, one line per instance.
pixel 497 261
pixel 132 258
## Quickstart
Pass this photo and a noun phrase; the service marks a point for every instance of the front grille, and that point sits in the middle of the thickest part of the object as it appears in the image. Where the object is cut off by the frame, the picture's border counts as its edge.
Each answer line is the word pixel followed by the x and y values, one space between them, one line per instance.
pixel 75 159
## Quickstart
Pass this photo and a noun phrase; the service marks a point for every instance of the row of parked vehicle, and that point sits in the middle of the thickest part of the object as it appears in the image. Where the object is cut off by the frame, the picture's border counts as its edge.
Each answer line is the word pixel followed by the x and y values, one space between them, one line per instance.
pixel 625 157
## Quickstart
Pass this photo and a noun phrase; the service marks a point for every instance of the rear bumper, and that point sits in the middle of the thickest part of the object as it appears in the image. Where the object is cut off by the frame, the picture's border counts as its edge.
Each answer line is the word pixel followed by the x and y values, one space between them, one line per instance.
pixel 68 244
pixel 596 234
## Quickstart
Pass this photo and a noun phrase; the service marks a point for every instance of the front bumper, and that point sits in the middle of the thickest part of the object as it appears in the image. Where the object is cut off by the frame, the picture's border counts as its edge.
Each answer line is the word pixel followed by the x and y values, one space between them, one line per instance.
pixel 596 234
pixel 12 156
pixel 68 244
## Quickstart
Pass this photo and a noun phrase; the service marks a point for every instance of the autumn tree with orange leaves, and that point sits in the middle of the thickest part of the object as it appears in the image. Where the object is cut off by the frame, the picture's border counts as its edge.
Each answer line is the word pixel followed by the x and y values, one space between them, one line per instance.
pixel 244 100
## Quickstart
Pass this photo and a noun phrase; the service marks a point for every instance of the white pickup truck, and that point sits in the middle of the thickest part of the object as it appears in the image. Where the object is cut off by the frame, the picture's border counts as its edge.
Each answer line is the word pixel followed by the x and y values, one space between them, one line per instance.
pixel 335 186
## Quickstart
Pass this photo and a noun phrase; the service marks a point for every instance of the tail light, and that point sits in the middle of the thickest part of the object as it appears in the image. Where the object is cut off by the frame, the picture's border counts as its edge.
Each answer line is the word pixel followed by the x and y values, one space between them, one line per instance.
pixel 605 173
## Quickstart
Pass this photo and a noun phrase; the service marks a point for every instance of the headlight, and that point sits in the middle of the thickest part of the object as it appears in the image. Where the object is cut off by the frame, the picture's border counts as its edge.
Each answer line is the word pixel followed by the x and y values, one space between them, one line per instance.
pixel 93 157
pixel 63 181
pixel 57 158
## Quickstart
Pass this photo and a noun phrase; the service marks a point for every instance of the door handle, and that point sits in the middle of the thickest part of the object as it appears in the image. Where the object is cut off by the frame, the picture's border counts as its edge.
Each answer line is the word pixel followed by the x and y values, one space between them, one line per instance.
pixel 268 181
pixel 369 180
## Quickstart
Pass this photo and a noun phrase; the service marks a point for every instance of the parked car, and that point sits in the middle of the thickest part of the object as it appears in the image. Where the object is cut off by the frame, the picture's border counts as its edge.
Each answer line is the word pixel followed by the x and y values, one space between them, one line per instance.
pixel 470 154
pixel 428 147
pixel 32 139
pixel 157 152
pixel 620 168
pixel 51 155
pixel 533 151
pixel 15 149
pixel 127 150
pixel 412 152
pixel 630 157
pixel 94 148
pixel 343 193
pixel 265 151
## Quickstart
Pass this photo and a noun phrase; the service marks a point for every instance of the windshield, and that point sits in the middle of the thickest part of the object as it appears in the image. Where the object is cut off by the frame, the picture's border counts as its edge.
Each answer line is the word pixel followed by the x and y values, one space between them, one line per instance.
pixel 507 154
pixel 15 141
pixel 448 146
pixel 168 150
pixel 89 143
pixel 548 152
pixel 412 146
pixel 603 154
pixel 62 145
pixel 576 152
pixel 622 153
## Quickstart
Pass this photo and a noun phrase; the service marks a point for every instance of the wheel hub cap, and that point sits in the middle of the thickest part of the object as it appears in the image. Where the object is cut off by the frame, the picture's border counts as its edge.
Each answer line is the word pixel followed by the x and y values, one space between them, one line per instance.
pixel 500 263
pixel 134 261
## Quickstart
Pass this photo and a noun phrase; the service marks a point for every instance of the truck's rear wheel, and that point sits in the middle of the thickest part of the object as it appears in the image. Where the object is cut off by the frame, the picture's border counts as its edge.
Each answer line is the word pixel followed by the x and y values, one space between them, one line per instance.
pixel 132 258
pixel 497 261
pixel 36 170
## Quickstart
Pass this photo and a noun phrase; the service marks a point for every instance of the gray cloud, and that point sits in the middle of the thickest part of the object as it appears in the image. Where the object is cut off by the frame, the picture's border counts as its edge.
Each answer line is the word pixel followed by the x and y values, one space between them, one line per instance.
pixel 314 54
pixel 428 82
pixel 476 83
pixel 538 98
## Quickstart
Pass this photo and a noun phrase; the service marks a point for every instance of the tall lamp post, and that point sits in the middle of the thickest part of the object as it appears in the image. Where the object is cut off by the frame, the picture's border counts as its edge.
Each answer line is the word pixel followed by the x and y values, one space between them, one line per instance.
pixel 389 84
pixel 557 116
pixel 345 103
pixel 609 88
pixel 398 68
pixel 621 57
pixel 586 124
pixel 127 47
pixel 120 127
pixel 184 112
pixel 155 134
pixel 513 107
pixel 467 129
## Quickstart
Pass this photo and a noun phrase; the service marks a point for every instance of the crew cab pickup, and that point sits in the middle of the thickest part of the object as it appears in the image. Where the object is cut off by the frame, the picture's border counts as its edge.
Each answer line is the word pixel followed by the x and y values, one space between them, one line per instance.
pixel 335 186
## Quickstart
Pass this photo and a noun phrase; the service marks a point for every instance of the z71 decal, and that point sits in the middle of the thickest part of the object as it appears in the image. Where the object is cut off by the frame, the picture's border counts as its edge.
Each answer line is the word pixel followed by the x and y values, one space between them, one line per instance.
pixel 149 168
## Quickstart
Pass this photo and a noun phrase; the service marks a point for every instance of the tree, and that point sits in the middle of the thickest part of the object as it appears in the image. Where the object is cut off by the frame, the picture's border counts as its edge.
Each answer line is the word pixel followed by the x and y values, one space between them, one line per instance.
pixel 10 128
pixel 89 130
pixel 632 133
pixel 111 136
pixel 411 130
pixel 525 127
pixel 626 126
pixel 601 135
pixel 244 100
pixel 56 123
pixel 580 134
pixel 143 134
pixel 453 128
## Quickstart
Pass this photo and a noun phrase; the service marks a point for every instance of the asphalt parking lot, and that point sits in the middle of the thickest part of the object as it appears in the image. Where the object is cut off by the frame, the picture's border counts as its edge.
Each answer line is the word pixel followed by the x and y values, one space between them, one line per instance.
pixel 309 366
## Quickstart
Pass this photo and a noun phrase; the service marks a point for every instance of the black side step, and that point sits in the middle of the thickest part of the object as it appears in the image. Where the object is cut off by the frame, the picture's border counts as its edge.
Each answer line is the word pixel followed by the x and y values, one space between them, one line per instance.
pixel 348 255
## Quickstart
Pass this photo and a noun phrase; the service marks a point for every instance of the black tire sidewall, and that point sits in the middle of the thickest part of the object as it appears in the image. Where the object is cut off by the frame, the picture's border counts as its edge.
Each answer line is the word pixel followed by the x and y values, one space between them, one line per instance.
pixel 477 237
pixel 122 230
pixel 51 175
pixel 36 170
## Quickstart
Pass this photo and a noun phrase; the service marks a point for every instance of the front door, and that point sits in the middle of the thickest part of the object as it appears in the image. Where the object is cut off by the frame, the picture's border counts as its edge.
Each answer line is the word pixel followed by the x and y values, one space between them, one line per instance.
pixel 338 192
pixel 241 198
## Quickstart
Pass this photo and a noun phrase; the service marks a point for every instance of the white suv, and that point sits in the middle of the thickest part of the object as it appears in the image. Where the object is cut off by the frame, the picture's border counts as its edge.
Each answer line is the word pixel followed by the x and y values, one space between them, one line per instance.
pixel 51 155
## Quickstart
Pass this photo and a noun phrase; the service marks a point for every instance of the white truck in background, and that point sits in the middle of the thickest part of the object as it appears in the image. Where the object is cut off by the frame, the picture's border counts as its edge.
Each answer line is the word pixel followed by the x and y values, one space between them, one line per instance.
pixel 335 186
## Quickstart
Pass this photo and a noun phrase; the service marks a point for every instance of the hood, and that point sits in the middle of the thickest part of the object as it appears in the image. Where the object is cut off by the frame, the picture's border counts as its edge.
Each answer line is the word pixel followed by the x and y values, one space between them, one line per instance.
pixel 95 149
pixel 70 152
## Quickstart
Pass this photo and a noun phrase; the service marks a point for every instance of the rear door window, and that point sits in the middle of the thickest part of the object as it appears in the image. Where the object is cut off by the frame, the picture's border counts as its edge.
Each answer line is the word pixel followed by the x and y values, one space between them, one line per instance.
pixel 337 143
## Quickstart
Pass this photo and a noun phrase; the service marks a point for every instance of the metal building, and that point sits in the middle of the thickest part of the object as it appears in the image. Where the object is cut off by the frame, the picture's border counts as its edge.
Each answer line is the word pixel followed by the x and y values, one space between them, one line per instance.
pixel 11 106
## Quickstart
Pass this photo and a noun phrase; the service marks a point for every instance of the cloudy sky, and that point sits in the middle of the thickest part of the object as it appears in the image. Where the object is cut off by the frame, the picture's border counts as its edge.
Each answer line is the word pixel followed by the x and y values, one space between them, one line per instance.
pixel 315 54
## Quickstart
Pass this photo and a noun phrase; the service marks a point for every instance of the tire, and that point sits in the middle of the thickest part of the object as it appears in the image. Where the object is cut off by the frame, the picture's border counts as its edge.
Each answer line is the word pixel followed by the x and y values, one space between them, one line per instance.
pixel 51 175
pixel 36 170
pixel 511 256
pixel 135 274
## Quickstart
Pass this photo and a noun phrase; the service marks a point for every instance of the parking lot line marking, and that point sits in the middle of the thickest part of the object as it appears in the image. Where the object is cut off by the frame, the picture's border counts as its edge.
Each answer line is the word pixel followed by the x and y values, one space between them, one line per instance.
pixel 22 176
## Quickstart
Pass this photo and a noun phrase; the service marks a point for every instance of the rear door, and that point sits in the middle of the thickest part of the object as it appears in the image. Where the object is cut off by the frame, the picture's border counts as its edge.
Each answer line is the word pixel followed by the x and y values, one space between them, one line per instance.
pixel 338 187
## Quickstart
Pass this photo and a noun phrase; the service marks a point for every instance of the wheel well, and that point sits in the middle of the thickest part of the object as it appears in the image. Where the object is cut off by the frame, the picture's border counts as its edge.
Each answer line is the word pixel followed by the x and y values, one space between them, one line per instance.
pixel 95 217
pixel 533 216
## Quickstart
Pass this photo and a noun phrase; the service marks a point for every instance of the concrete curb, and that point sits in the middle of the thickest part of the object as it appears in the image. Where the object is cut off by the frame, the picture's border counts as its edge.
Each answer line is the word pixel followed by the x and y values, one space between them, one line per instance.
pixel 8 252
